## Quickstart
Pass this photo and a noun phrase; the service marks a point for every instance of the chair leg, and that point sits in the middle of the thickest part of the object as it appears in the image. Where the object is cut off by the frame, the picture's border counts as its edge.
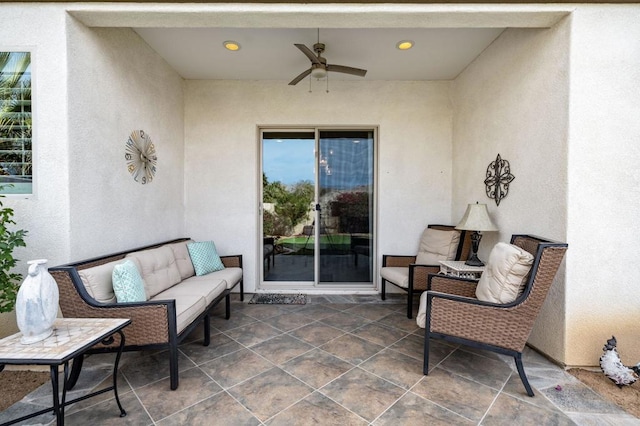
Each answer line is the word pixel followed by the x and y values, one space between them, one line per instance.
pixel 382 295
pixel 523 376
pixel 425 365
pixel 410 303
pixel 227 304
pixel 242 288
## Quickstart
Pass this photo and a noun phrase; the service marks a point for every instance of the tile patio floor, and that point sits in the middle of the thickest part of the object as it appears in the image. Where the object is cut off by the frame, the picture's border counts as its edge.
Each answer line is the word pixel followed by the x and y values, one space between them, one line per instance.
pixel 338 360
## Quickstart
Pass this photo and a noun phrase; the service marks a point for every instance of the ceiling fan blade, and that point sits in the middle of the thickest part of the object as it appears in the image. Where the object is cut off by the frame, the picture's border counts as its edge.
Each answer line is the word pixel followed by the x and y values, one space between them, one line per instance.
pixel 300 77
pixel 347 70
pixel 312 56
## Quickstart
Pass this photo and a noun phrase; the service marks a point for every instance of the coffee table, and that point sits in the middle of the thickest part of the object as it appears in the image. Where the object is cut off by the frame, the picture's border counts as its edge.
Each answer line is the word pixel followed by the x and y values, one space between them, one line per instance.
pixel 71 338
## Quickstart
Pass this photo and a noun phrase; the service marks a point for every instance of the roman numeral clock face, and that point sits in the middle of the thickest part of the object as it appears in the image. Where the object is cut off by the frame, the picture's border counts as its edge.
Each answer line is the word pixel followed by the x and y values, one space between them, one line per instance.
pixel 141 158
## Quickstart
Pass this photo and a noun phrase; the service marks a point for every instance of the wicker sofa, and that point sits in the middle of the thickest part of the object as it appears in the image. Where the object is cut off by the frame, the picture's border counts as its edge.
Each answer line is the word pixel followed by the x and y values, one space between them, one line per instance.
pixel 178 301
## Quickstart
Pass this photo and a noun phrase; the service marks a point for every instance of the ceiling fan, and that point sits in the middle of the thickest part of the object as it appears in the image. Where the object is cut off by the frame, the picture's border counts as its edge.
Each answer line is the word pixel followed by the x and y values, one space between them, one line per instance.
pixel 319 66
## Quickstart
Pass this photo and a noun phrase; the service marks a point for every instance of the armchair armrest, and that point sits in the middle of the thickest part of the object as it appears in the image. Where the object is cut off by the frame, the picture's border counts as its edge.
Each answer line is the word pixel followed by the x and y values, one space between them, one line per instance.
pixel 394 260
pixel 452 285
pixel 418 275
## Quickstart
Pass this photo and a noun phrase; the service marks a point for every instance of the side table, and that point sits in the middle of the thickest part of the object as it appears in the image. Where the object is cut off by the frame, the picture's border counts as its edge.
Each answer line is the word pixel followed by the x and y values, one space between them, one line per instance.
pixel 457 268
pixel 71 338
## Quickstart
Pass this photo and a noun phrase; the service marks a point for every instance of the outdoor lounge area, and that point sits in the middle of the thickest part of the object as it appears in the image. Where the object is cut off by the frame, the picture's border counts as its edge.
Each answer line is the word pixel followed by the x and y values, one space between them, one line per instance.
pixel 551 89
pixel 337 360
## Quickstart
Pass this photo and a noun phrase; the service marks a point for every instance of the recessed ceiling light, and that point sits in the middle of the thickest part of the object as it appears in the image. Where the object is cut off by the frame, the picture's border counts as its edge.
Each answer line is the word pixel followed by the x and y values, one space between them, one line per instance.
pixel 231 45
pixel 404 44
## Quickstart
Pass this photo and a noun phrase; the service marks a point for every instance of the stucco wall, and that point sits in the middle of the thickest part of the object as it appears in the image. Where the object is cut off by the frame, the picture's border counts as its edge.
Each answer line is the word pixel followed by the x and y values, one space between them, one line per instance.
pixel 46 213
pixel 513 100
pixel 604 183
pixel 117 84
pixel 222 150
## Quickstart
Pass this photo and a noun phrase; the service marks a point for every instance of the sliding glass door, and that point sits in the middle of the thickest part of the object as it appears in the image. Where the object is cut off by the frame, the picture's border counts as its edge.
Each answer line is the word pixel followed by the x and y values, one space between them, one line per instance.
pixel 317 207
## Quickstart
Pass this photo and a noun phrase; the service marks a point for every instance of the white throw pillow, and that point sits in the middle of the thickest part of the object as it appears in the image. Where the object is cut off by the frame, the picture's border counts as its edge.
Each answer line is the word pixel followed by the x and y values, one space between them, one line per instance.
pixel 437 245
pixel 505 276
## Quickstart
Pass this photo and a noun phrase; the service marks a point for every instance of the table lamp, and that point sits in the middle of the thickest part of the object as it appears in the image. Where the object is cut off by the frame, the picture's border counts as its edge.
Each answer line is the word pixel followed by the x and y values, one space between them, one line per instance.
pixel 476 219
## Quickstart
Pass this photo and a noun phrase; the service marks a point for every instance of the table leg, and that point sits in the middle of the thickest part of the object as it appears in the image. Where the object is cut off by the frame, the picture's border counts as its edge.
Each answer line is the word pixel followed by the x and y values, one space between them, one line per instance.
pixel 115 374
pixel 58 409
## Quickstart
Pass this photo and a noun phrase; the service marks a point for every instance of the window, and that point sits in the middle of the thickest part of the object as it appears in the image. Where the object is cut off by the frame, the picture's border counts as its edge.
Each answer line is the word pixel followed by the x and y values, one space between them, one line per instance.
pixel 16 161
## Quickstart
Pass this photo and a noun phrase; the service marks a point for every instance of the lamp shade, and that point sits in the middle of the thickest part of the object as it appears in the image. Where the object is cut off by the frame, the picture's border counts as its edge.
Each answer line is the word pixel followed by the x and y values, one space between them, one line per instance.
pixel 476 218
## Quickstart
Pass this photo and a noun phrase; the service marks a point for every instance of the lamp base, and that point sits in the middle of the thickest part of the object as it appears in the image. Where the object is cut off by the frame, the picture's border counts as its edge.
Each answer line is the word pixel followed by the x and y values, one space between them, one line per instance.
pixel 475 243
pixel 474 261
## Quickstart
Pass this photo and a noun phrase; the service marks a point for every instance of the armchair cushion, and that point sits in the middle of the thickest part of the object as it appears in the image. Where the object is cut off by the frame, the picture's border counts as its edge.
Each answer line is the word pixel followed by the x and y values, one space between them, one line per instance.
pixel 396 274
pixel 436 245
pixel 505 275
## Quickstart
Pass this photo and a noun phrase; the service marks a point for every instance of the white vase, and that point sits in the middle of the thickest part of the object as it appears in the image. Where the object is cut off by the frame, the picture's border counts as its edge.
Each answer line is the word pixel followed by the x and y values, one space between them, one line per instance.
pixel 37 303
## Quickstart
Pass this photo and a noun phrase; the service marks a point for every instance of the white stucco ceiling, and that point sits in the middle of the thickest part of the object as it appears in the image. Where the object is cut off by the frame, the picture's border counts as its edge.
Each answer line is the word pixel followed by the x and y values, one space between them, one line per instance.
pixel 270 54
pixel 190 36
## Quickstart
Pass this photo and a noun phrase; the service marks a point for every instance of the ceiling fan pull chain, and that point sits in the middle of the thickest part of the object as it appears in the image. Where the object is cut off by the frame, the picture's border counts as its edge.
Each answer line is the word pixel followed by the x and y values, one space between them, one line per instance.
pixel 309 83
pixel 327 82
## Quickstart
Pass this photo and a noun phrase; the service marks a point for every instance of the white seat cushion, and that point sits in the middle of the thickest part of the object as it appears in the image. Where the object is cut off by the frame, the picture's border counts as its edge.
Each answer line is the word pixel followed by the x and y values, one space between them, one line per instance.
pixel 399 275
pixel 231 275
pixel 188 307
pixel 505 275
pixel 436 245
pixel 209 289
pixel 421 318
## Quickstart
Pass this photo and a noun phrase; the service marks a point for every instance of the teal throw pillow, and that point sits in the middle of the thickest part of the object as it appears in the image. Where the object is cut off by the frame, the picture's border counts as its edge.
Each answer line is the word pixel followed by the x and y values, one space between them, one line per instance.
pixel 127 283
pixel 204 257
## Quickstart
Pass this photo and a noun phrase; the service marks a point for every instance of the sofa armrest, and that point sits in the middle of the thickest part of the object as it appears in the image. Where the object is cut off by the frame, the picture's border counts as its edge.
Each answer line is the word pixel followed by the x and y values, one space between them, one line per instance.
pixel 232 261
pixel 152 322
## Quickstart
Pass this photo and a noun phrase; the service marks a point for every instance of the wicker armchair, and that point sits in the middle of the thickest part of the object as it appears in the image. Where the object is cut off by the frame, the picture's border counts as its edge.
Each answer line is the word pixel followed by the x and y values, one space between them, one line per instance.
pixel 413 274
pixel 454 314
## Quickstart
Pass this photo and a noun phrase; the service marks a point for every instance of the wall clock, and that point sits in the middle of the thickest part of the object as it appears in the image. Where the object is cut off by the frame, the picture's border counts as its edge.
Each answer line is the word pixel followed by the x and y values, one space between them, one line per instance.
pixel 140 154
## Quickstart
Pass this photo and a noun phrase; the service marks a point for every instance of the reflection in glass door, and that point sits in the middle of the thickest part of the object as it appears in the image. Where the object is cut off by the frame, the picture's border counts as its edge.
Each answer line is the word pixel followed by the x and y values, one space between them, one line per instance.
pixel 317 207
pixel 345 196
pixel 288 198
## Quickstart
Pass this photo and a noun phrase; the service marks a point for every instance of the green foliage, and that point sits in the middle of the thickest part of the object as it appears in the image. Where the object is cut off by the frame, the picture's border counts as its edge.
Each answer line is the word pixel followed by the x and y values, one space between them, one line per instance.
pixel 9 240
pixel 15 113
pixel 292 205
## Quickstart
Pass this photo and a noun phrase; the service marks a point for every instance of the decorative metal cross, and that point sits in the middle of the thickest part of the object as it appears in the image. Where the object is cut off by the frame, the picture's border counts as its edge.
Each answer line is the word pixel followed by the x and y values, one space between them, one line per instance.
pixel 497 179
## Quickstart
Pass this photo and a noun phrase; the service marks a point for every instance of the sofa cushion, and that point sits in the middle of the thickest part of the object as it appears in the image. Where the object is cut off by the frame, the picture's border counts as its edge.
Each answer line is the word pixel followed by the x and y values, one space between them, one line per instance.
pixel 127 283
pixel 231 275
pixel 204 257
pixel 188 307
pixel 398 275
pixel 97 281
pixel 505 275
pixel 205 286
pixel 436 245
pixel 157 267
pixel 183 260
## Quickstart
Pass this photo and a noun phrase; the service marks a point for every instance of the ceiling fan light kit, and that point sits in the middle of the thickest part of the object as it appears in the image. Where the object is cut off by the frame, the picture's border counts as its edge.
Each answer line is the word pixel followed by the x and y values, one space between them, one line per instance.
pixel 319 67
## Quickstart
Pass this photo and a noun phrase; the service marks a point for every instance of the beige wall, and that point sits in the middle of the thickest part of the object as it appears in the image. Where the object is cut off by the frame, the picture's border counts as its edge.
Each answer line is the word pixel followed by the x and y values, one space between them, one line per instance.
pixel 45 215
pixel 513 101
pixel 222 156
pixel 117 84
pixel 604 183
